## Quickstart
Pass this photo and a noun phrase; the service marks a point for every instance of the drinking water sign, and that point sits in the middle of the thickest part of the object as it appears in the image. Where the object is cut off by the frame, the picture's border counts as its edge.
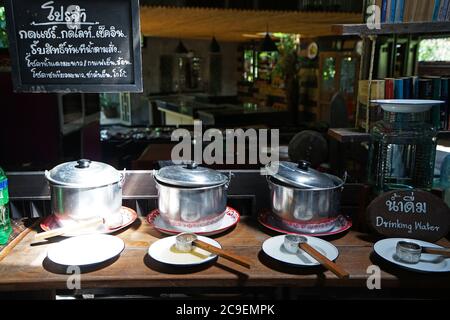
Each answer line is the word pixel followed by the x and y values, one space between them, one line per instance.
pixel 75 45
pixel 413 214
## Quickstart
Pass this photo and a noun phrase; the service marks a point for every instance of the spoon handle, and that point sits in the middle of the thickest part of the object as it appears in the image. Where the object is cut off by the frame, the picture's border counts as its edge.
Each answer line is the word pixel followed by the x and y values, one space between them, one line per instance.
pixel 60 231
pixel 440 251
pixel 222 253
pixel 327 263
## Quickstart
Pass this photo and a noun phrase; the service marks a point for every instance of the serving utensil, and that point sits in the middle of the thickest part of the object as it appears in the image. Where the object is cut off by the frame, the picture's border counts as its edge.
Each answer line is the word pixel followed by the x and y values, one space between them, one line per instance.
pixel 186 241
pixel 410 252
pixel 91 223
pixel 294 242
pixel 9 247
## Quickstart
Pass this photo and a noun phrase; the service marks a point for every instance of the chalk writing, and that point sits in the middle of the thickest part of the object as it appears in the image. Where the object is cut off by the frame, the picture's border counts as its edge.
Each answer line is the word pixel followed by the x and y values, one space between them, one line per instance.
pixel 409 213
pixel 109 33
pixel 50 33
pixel 67 48
pixel 409 227
pixel 47 62
pixel 76 75
pixel 405 204
pixel 62 44
pixel 73 16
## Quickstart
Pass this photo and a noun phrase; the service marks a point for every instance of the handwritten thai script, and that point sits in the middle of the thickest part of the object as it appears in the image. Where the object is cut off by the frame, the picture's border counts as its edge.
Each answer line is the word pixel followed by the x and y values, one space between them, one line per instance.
pixel 77 75
pixel 73 16
pixel 47 62
pixel 405 204
pixel 101 33
pixel 67 48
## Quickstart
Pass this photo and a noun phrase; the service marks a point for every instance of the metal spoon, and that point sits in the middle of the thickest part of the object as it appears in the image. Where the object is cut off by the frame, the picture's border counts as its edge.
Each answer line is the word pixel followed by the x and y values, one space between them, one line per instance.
pixel 185 241
pixel 410 252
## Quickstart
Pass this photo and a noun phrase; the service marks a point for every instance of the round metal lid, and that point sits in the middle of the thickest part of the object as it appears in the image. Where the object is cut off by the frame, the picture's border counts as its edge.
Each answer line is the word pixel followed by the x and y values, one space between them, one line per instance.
pixel 300 175
pixel 190 175
pixel 83 174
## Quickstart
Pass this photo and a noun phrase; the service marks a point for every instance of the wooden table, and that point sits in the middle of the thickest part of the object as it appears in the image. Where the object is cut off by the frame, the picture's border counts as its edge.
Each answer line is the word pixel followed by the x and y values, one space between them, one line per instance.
pixel 26 267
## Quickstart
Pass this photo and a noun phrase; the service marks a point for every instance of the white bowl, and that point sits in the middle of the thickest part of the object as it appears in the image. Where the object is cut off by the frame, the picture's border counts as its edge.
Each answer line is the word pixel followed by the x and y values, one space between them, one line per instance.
pixel 407 105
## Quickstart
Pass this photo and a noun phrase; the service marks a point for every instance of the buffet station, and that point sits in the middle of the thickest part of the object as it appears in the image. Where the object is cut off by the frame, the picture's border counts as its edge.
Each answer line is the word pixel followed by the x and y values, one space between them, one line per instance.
pixel 174 230
pixel 291 228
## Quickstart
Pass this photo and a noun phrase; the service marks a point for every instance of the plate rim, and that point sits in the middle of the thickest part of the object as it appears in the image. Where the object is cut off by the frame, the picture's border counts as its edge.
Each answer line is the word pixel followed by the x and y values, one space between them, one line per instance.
pixel 109 236
pixel 155 213
pixel 323 234
pixel 109 231
pixel 301 265
pixel 209 259
pixel 404 265
pixel 402 102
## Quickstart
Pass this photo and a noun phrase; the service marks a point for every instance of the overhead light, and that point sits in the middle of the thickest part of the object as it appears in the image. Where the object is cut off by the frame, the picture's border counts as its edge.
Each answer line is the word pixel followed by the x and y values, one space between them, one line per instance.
pixel 214 46
pixel 181 49
pixel 251 35
pixel 268 45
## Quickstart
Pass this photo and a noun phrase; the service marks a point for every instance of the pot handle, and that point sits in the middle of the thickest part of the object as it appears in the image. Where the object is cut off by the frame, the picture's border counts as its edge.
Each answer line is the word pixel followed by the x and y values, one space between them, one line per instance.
pixel 269 183
pixel 122 178
pixel 154 172
pixel 344 179
pixel 227 184
pixel 47 176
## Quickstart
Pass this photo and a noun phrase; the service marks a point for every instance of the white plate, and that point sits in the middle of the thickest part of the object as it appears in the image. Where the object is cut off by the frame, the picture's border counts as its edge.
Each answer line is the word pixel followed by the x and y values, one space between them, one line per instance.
pixel 230 219
pixel 274 248
pixel 406 105
pixel 386 249
pixel 86 250
pixel 128 217
pixel 268 220
pixel 164 251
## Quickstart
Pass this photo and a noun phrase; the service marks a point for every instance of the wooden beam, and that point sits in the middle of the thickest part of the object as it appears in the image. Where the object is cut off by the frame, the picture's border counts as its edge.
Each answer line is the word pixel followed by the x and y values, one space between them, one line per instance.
pixel 393 28
pixel 232 24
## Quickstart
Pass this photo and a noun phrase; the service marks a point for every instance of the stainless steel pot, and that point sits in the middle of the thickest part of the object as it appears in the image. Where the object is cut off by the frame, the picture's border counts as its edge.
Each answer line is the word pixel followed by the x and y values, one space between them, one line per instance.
pixel 302 198
pixel 191 196
pixel 84 189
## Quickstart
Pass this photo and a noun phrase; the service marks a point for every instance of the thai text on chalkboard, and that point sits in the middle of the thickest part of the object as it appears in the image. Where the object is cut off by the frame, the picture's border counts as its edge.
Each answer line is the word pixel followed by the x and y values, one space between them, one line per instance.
pixel 76 45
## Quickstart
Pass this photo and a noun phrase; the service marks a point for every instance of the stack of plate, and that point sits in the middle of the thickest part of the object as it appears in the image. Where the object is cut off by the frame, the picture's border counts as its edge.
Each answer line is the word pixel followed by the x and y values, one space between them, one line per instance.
pixel 229 220
pixel 273 222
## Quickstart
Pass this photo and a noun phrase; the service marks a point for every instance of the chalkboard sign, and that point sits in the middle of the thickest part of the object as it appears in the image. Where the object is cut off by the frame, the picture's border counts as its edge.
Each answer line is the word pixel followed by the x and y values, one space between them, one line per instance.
pixel 410 214
pixel 75 45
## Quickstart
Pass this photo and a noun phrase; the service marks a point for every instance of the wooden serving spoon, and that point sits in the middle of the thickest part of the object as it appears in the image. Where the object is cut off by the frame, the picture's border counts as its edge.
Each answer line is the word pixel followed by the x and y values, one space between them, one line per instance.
pixel 294 242
pixel 324 261
pixel 73 228
pixel 185 242
pixel 440 251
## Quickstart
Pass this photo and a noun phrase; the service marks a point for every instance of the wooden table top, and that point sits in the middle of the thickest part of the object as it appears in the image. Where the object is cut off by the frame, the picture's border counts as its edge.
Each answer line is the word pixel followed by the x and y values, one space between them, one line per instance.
pixel 26 267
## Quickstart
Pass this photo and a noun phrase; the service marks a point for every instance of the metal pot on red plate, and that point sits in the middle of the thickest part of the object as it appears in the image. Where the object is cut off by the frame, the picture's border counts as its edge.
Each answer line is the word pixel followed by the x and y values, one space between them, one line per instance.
pixel 84 189
pixel 191 196
pixel 302 198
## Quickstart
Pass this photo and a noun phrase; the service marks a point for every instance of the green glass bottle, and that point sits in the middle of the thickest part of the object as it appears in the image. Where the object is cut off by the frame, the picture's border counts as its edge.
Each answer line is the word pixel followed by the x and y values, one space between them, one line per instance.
pixel 5 222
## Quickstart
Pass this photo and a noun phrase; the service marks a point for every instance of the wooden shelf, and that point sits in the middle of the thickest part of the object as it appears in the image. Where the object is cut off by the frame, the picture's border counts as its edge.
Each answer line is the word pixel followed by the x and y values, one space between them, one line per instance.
pixel 349 135
pixel 352 135
pixel 393 28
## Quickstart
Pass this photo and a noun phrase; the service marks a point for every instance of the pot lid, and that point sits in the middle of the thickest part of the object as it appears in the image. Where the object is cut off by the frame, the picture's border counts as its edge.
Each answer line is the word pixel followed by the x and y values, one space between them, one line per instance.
pixel 83 174
pixel 300 175
pixel 190 175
